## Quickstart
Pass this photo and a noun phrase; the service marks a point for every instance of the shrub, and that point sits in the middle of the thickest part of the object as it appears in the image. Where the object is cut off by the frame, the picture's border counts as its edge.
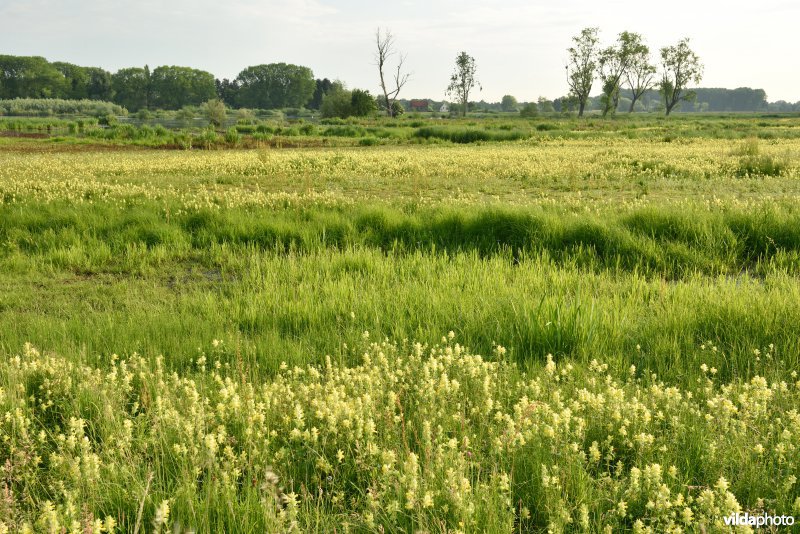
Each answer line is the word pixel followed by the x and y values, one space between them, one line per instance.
pixel 468 135
pixel 232 136
pixel 216 112
pixel 58 106
pixel 245 128
pixel 529 110
pixel 108 120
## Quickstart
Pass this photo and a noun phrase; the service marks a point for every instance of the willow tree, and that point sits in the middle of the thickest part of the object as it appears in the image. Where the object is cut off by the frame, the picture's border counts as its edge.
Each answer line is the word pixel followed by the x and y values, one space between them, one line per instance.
pixel 680 67
pixel 582 65
pixel 463 80
pixel 613 63
pixel 640 75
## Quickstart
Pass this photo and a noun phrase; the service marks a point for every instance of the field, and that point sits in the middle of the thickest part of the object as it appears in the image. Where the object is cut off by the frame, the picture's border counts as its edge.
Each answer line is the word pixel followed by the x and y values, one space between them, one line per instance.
pixel 589 327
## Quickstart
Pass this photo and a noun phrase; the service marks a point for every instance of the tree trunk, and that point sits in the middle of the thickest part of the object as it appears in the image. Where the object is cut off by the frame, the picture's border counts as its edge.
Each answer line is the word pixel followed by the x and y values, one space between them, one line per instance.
pixel 580 108
pixel 633 103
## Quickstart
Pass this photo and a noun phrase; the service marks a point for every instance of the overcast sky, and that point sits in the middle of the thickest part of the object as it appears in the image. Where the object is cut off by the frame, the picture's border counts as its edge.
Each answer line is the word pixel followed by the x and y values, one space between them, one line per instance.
pixel 519 46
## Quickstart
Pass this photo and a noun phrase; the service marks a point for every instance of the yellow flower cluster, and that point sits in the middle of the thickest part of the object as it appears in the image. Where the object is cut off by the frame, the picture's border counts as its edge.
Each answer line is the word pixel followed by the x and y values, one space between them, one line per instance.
pixel 413 436
pixel 540 171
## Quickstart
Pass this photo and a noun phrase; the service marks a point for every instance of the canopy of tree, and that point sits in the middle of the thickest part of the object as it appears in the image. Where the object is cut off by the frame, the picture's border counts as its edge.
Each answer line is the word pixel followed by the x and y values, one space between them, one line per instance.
pixel 277 85
pixel 176 87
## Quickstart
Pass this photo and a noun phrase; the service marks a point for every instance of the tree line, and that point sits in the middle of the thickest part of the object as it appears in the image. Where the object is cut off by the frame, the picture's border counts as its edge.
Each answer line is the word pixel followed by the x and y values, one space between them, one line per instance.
pixel 628 76
pixel 627 63
pixel 277 85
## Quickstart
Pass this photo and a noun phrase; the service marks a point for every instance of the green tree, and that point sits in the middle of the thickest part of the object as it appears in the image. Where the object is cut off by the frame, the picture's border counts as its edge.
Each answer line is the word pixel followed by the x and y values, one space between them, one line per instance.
pixel 76 80
pixel 321 89
pixel 337 102
pixel 131 87
pixel 30 77
pixel 98 86
pixel 173 87
pixel 216 112
pixel 463 80
pixel 529 110
pixel 362 103
pixel 640 74
pixel 227 91
pixel 613 62
pixel 508 103
pixel 277 85
pixel 582 66
pixel 545 105
pixel 681 66
pixel 384 43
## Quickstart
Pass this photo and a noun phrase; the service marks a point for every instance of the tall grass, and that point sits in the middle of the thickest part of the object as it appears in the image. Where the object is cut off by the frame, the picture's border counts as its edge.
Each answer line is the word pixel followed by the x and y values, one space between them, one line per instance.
pixel 253 341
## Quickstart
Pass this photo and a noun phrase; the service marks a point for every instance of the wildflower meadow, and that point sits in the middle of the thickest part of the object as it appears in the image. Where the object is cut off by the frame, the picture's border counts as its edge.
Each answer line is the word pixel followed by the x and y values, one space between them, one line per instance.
pixel 593 330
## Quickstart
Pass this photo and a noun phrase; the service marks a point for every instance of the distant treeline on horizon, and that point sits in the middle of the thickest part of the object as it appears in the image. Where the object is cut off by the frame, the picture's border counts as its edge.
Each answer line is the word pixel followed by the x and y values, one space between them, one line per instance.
pixel 277 86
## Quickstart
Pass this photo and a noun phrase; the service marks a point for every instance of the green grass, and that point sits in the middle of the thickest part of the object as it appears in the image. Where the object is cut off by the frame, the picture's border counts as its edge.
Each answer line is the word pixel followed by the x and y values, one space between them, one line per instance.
pixel 232 335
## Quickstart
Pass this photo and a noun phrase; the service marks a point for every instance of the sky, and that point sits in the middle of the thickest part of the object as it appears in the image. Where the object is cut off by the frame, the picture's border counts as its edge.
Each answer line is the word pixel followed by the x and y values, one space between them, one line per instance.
pixel 519 46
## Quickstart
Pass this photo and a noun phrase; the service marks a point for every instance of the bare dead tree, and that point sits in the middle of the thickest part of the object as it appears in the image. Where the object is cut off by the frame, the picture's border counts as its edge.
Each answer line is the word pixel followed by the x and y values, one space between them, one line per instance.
pixel 385 49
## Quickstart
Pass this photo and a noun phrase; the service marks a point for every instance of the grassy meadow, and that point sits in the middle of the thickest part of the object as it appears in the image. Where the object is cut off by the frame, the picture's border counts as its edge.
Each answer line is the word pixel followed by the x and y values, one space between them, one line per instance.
pixel 588 326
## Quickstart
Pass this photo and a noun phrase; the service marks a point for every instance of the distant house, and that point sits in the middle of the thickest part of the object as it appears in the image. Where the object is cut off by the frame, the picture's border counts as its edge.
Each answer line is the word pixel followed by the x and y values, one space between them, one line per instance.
pixel 419 105
pixel 445 108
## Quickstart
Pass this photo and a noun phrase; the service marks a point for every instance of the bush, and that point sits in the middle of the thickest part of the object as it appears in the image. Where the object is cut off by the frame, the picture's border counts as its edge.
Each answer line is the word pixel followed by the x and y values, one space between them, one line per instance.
pixel 108 120
pixel 58 106
pixel 245 128
pixel 216 112
pixel 529 110
pixel 265 129
pixel 468 135
pixel 182 140
pixel 232 136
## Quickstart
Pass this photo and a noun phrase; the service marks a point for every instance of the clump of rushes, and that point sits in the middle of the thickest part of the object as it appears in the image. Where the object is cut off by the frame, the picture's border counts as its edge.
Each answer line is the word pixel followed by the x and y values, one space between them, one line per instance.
pixel 413 438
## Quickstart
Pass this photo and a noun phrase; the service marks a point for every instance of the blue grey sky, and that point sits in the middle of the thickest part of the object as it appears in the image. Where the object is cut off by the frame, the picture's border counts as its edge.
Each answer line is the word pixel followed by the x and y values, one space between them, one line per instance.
pixel 519 46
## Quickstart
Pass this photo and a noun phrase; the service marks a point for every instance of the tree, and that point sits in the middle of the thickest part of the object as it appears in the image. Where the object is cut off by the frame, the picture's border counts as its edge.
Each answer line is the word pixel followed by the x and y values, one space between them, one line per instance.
pixel 384 44
pixel 99 85
pixel 276 85
pixel 30 77
pixel 132 87
pixel 362 103
pixel 227 91
pixel 321 89
pixel 681 66
pixel 640 74
pixel 545 105
pixel 529 110
pixel 76 80
pixel 336 102
pixel 582 66
pixel 508 103
pixel 216 112
pixel 613 63
pixel 463 80
pixel 174 87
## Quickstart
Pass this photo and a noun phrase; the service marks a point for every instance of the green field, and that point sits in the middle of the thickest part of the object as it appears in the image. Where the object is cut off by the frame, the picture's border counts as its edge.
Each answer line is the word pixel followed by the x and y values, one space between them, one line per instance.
pixel 288 339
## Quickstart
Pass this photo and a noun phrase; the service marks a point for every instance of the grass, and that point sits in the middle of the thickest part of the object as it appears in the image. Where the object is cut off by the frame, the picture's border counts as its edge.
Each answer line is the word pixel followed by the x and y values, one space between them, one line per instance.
pixel 253 340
